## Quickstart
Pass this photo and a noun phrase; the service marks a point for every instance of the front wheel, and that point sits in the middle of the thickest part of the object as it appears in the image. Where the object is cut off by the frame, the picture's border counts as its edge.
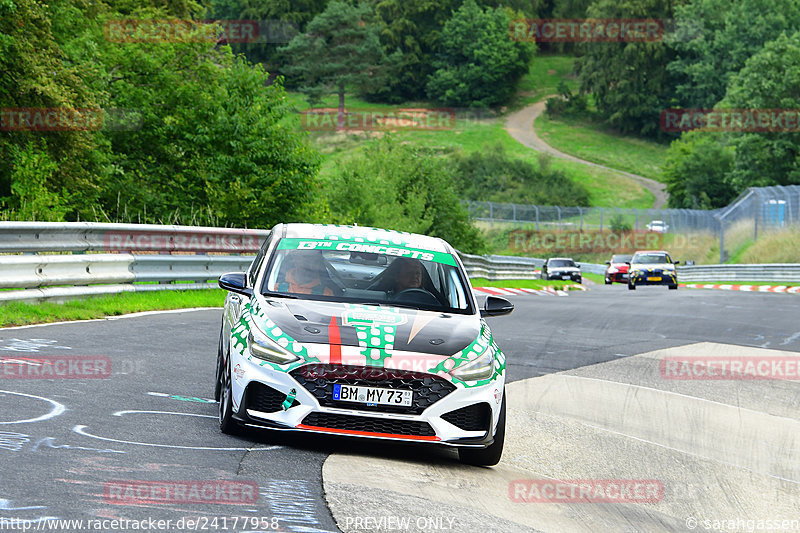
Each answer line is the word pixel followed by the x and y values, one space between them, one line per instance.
pixel 673 287
pixel 631 286
pixel 608 281
pixel 227 424
pixel 489 456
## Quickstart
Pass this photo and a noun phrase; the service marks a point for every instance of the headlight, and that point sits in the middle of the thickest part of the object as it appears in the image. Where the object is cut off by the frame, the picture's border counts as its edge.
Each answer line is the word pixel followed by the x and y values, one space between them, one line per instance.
pixel 613 270
pixel 482 367
pixel 263 347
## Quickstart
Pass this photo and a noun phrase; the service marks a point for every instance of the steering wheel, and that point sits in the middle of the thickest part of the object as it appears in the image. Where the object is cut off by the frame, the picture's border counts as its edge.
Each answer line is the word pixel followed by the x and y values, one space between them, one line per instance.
pixel 416 296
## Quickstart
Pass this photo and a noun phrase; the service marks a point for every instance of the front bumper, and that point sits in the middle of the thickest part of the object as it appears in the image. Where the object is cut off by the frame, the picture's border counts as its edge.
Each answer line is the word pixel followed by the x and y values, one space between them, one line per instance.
pixel 654 278
pixel 566 276
pixel 265 397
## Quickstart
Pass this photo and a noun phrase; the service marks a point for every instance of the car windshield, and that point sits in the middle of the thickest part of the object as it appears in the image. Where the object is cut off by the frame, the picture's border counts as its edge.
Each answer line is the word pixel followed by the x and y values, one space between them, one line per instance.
pixel 620 258
pixel 651 258
pixel 422 280
pixel 561 263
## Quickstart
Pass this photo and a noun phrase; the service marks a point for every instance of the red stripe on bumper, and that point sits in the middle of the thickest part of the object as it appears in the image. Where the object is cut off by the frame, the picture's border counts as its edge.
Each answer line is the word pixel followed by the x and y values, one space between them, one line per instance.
pixel 335 342
pixel 369 433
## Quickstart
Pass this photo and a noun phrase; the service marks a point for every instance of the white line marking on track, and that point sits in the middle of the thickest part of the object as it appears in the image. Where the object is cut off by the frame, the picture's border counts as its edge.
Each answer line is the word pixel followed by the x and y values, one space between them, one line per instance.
pixel 81 430
pixel 58 408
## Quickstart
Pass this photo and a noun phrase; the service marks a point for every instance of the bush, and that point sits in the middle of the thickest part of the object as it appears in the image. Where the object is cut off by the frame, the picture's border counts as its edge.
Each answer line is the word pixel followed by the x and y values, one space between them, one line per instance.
pixel 400 187
pixel 495 176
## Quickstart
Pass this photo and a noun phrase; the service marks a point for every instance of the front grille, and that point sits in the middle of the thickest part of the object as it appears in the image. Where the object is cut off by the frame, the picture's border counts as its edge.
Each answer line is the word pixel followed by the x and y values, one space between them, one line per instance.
pixel 368 424
pixel 265 399
pixel 473 417
pixel 320 379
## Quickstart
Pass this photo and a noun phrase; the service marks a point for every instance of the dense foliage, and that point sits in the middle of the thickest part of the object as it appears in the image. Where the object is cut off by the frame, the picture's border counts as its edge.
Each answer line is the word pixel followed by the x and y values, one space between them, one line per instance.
pixel 204 142
pixel 478 65
pixel 496 176
pixel 398 186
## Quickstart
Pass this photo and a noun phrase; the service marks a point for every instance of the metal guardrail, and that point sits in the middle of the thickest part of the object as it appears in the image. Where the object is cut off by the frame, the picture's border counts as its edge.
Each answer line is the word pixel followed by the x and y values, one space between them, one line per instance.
pixel 48 277
pixel 781 272
pixel 35 277
pixel 499 267
pixel 38 237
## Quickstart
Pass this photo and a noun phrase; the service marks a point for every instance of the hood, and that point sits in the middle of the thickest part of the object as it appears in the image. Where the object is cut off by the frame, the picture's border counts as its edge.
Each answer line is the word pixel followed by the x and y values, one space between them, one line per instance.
pixel 345 324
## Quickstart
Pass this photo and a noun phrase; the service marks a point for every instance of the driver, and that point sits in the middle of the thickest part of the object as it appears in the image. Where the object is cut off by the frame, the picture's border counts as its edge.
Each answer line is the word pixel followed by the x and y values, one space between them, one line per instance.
pixel 409 274
pixel 305 277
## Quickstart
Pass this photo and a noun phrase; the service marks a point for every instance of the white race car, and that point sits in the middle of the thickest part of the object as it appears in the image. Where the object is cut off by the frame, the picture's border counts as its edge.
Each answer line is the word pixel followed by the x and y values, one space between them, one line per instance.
pixel 362 332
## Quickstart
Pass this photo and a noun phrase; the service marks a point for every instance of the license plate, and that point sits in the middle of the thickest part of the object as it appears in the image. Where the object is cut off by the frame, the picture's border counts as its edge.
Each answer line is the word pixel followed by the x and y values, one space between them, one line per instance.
pixel 565 277
pixel 372 395
pixel 654 279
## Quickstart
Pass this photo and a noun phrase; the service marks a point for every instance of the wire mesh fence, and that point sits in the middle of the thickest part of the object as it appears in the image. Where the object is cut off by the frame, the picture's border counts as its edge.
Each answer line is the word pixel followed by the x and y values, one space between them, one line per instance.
pixel 756 211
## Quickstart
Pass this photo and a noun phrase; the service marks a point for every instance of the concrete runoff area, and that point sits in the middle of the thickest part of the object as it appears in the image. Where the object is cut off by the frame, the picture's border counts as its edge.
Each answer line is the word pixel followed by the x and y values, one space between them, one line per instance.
pixel 719 449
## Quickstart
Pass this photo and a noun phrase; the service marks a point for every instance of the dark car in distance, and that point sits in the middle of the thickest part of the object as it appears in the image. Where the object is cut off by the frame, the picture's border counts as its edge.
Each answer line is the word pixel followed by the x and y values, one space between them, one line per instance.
pixel 561 268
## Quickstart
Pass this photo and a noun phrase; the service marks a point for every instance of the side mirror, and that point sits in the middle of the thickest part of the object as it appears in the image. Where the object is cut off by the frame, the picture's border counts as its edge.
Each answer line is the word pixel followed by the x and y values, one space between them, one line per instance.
pixel 608 262
pixel 677 262
pixel 628 263
pixel 235 282
pixel 495 306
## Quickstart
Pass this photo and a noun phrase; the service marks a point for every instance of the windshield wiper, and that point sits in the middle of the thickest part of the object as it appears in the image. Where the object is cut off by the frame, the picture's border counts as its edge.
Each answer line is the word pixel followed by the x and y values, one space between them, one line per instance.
pixel 278 295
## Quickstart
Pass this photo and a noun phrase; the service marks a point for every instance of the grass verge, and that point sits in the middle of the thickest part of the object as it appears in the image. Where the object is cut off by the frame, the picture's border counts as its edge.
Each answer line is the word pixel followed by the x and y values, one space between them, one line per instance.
pixel 593 142
pixel 20 314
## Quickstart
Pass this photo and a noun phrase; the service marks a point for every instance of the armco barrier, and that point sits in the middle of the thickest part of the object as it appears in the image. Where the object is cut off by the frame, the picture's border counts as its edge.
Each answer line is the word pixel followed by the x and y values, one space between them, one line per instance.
pixel 98 237
pixel 499 267
pixel 786 272
pixel 35 277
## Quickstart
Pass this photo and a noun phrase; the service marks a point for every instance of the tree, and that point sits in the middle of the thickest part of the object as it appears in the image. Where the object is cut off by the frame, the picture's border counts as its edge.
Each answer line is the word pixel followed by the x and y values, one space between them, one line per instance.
pixel 283 18
pixel 401 187
pixel 479 65
pixel 340 49
pixel 714 38
pixel 629 80
pixel 413 27
pixel 696 171
pixel 769 80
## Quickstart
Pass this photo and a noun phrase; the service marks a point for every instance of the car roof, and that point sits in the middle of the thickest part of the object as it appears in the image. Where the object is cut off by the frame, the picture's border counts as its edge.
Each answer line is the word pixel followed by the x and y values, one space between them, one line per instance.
pixel 560 258
pixel 652 252
pixel 365 233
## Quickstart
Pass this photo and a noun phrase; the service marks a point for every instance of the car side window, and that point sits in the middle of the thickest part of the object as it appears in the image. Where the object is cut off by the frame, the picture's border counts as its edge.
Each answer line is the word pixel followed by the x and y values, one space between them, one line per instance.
pixel 255 266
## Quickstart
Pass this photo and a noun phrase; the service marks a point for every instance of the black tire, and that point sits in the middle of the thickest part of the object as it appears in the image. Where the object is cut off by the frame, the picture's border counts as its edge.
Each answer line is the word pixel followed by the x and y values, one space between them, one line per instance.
pixel 488 456
pixel 227 424
pixel 673 287
pixel 631 286
pixel 218 379
pixel 608 281
pixel 580 281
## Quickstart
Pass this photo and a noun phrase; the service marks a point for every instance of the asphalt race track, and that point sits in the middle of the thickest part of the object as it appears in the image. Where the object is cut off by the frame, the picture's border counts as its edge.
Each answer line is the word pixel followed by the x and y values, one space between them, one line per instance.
pixel 589 402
